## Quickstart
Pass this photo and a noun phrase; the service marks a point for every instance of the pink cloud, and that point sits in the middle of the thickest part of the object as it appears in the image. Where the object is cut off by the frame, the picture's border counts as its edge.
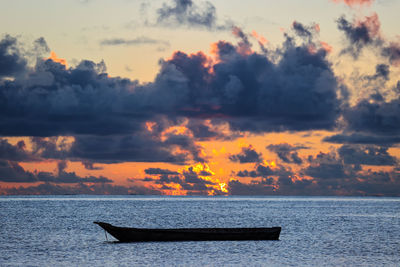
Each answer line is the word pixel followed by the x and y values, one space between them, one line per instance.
pixel 353 3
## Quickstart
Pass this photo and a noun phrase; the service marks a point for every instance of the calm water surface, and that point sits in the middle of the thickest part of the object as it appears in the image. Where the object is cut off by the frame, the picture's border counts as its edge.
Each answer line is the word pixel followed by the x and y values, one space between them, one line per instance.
pixel 58 231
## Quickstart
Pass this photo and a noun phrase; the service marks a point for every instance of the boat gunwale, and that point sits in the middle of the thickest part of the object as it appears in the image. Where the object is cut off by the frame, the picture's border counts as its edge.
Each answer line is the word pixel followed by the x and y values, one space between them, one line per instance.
pixel 128 234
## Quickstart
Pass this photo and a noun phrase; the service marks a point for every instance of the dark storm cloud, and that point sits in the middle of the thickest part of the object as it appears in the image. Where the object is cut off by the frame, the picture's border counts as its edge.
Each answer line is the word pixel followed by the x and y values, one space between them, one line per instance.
pixel 249 91
pixel 366 32
pixel 286 152
pixel 187 13
pixel 366 155
pixel 60 101
pixel 157 171
pixel 11 171
pixel 326 174
pixel 380 183
pixel 374 117
pixel 263 171
pixel 392 52
pixel 107 116
pixel 133 42
pixel 206 131
pixel 16 152
pixel 70 178
pixel 90 166
pixel 11 61
pixel 255 188
pixel 193 177
pixel 194 182
pixel 306 32
pixel 255 94
pixel 360 138
pixel 247 155
pixel 120 148
pixel 381 71
pixel 40 46
pixel 329 166
pixel 279 182
pixel 360 33
pixel 134 148
pixel 81 189
pixel 367 184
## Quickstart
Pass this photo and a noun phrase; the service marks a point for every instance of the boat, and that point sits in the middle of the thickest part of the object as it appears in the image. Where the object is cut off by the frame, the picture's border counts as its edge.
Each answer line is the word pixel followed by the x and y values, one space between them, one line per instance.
pixel 127 234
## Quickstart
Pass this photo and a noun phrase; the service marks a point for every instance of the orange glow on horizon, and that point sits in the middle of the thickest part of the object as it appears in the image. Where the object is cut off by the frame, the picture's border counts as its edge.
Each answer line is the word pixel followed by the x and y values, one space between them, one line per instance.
pixel 223 187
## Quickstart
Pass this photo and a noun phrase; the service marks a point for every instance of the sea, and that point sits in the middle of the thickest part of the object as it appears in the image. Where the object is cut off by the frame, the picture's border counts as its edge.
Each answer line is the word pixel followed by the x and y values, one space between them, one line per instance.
pixel 316 231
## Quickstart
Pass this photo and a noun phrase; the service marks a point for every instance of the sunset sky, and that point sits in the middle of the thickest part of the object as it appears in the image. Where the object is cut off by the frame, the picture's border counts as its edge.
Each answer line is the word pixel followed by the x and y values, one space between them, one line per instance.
pixel 193 97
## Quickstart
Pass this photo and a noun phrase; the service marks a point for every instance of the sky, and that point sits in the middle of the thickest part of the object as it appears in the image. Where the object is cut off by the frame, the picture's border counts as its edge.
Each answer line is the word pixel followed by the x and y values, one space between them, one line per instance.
pixel 193 97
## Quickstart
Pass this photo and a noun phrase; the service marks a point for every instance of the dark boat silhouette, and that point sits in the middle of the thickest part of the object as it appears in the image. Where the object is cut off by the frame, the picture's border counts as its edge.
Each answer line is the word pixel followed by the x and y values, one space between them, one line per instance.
pixel 126 234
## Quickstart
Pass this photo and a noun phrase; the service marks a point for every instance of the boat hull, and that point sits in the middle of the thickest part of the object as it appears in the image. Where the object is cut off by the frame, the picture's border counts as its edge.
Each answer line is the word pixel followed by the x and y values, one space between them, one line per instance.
pixel 125 234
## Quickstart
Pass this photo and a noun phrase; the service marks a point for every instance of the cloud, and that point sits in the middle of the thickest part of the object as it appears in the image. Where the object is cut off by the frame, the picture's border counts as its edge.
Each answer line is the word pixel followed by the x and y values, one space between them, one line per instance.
pixel 280 181
pixel 361 138
pixel 374 117
pixel 120 148
pixel 353 3
pixel 368 184
pixel 249 92
pixel 255 94
pixel 40 46
pixel 326 174
pixel 107 117
pixel 360 33
pixel 158 171
pixel 187 13
pixel 247 155
pixel 263 171
pixel 209 130
pixel 286 152
pixel 306 32
pixel 256 188
pixel 13 172
pixel 191 180
pixel 133 42
pixel 392 52
pixel 90 166
pixel 382 71
pixel 11 60
pixel 16 152
pixel 326 166
pixel 80 189
pixel 366 155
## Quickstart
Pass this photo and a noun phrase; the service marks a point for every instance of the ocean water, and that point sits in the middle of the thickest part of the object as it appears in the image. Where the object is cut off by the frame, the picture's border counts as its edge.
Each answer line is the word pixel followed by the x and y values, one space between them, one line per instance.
pixel 316 231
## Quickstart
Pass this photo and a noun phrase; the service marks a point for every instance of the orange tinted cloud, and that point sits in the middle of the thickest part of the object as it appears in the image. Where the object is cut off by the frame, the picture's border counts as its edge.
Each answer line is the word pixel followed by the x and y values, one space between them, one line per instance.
pixel 55 58
pixel 372 23
pixel 327 47
pixel 259 38
pixel 244 46
pixel 317 27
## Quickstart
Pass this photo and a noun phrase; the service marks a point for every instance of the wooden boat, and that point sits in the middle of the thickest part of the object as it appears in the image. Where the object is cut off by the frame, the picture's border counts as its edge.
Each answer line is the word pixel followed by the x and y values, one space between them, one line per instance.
pixel 125 234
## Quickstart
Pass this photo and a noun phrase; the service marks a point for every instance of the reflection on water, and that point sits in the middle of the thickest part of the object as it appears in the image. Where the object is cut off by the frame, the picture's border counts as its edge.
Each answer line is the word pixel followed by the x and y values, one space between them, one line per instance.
pixel 316 231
